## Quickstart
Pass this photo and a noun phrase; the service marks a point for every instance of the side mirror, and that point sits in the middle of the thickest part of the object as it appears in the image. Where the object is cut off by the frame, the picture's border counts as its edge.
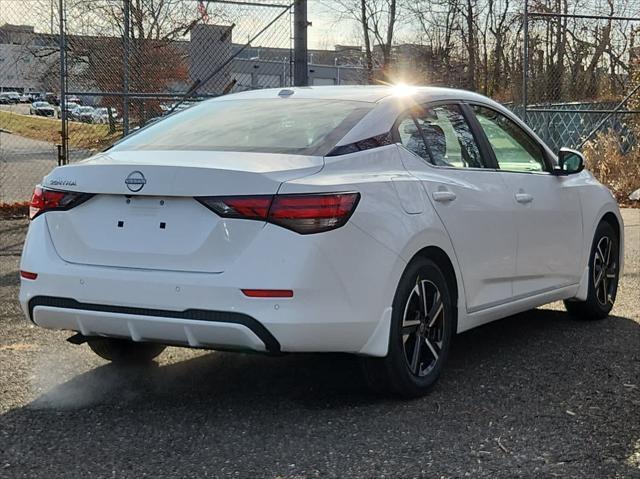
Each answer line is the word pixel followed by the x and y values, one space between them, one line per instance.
pixel 569 162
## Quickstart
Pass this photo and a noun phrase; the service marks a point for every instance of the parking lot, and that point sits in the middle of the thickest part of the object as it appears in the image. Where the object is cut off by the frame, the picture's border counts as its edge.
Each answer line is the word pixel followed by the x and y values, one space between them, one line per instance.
pixel 534 395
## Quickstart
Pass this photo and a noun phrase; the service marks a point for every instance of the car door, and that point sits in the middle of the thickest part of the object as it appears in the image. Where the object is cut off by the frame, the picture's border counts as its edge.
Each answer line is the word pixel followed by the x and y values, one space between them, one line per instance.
pixel 468 195
pixel 548 212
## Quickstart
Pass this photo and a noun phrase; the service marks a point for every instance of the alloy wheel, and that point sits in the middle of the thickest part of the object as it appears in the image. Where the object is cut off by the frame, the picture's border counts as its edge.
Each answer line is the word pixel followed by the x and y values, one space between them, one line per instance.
pixel 604 271
pixel 423 327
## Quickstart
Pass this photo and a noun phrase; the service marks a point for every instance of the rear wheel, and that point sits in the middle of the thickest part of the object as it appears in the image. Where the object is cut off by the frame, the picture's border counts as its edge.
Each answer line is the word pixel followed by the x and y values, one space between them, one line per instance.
pixel 604 267
pixel 124 351
pixel 422 326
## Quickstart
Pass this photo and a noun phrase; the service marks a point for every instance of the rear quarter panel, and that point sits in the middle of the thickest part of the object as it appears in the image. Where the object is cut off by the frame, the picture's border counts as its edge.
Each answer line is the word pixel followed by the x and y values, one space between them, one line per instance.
pixel 384 212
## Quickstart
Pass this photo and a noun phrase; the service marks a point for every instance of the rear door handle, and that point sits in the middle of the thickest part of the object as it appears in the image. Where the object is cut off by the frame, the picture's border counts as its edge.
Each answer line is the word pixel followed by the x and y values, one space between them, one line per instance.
pixel 443 196
pixel 524 198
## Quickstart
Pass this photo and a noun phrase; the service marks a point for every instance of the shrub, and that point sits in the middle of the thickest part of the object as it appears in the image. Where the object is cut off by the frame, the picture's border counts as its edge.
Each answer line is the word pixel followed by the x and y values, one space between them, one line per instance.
pixel 619 171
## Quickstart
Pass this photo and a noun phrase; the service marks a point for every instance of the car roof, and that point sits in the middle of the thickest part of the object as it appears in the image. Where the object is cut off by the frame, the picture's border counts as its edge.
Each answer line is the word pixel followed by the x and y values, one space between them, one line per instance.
pixel 366 93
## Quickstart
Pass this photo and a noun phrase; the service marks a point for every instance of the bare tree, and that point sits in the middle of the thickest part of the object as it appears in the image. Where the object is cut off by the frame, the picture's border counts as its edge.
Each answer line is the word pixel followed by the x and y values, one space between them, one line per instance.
pixel 377 20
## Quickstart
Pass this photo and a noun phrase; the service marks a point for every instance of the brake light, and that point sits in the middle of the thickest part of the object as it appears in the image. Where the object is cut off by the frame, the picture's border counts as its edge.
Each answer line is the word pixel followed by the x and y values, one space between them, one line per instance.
pixel 246 207
pixel 44 199
pixel 304 213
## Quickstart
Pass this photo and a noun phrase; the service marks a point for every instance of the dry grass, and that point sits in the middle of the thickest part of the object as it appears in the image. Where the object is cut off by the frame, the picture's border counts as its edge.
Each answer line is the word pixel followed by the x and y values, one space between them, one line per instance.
pixel 81 135
pixel 620 172
pixel 14 210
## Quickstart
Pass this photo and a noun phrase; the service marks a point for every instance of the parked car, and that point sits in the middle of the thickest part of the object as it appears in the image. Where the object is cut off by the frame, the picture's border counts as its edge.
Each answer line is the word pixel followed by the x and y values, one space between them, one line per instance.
pixel 25 98
pixel 52 98
pixel 4 100
pixel 42 108
pixel 82 113
pixel 12 96
pixel 378 221
pixel 74 99
pixel 69 107
pixel 167 108
pixel 101 115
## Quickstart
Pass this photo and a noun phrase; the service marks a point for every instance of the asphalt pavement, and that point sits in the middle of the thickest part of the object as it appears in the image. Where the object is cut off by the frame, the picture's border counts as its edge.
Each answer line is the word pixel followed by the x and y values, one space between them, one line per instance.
pixel 536 395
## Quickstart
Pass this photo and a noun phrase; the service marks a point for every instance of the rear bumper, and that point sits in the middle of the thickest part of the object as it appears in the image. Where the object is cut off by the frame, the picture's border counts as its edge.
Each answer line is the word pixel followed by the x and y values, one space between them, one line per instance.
pixel 343 284
pixel 196 328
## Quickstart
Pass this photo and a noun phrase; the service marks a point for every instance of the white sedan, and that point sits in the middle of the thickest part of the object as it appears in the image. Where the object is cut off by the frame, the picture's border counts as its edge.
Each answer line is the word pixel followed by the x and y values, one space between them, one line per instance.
pixel 378 221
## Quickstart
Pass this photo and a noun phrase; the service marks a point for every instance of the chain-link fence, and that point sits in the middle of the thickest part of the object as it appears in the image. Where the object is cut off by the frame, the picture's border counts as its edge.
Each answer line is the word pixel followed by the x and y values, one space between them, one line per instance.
pixel 582 71
pixel 119 65
pixel 128 64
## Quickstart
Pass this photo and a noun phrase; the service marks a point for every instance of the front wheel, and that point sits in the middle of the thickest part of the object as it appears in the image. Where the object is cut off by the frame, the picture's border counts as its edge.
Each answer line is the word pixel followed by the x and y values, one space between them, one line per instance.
pixel 422 327
pixel 125 351
pixel 604 265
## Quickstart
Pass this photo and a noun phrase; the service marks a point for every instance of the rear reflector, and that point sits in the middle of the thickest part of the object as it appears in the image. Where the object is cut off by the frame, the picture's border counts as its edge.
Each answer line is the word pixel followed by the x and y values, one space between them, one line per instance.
pixel 44 199
pixel 268 293
pixel 304 214
pixel 28 275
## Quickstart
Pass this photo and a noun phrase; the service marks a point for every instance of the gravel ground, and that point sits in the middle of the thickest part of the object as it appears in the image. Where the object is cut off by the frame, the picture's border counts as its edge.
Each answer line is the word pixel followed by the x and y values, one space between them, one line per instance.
pixel 534 395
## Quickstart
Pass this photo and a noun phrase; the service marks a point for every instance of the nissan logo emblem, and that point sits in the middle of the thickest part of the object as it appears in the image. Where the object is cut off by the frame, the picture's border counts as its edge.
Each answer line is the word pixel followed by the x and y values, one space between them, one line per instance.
pixel 135 181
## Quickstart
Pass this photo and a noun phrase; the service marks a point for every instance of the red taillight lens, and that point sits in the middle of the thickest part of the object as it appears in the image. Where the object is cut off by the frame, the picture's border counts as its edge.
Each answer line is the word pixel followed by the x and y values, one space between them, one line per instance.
pixel 47 200
pixel 304 214
pixel 313 213
pixel 246 207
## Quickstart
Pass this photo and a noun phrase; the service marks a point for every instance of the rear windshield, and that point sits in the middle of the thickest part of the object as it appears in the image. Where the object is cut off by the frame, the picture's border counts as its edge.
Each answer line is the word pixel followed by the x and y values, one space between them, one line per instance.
pixel 279 125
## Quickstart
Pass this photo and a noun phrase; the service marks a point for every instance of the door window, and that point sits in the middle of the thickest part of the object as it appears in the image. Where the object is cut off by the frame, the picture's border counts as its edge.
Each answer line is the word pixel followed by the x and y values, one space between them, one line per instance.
pixel 442 136
pixel 515 150
pixel 411 138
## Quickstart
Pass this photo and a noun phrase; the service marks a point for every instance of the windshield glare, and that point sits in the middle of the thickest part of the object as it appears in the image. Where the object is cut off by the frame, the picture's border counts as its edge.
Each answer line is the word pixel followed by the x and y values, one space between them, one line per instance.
pixel 282 125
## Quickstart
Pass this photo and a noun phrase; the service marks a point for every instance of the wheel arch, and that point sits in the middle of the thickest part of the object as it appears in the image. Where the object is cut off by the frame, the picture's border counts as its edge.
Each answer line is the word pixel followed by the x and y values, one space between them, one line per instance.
pixel 610 218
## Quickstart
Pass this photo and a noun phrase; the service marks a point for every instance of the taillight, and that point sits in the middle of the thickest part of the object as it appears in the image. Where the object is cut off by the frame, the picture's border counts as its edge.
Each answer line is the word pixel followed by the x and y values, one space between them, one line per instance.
pixel 304 214
pixel 246 207
pixel 44 199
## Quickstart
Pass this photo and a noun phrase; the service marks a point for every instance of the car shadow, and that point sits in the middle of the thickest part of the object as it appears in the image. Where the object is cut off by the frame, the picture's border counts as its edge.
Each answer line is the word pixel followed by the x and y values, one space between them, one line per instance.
pixel 554 388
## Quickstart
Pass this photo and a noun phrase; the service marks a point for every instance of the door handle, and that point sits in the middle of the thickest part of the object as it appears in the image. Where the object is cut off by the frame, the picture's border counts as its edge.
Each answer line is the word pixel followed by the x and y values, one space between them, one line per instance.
pixel 443 196
pixel 524 198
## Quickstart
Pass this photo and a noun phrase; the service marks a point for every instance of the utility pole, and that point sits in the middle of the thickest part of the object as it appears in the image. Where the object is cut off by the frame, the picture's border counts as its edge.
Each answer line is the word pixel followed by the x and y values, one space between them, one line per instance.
pixel 525 60
pixel 125 69
pixel 62 149
pixel 300 25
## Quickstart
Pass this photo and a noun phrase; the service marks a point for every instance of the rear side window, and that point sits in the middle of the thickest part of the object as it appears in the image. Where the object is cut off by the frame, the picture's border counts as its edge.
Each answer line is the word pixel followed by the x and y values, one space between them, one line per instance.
pixel 515 150
pixel 278 125
pixel 442 136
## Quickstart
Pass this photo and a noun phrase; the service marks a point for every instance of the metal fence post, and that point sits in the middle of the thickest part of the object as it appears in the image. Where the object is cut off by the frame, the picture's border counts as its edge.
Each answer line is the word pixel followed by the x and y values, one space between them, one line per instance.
pixel 525 60
pixel 300 24
pixel 62 151
pixel 125 70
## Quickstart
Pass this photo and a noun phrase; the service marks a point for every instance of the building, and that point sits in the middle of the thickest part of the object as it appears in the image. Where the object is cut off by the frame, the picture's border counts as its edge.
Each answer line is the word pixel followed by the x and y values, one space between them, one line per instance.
pixel 29 61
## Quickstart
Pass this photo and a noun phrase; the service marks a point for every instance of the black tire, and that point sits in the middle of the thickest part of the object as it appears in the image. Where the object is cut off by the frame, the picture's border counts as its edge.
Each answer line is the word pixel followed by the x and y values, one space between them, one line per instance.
pixel 603 282
pixel 400 373
pixel 124 351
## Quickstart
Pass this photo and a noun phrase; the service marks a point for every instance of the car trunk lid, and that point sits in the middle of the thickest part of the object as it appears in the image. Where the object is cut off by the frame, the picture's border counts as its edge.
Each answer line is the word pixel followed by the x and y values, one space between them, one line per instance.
pixel 144 214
